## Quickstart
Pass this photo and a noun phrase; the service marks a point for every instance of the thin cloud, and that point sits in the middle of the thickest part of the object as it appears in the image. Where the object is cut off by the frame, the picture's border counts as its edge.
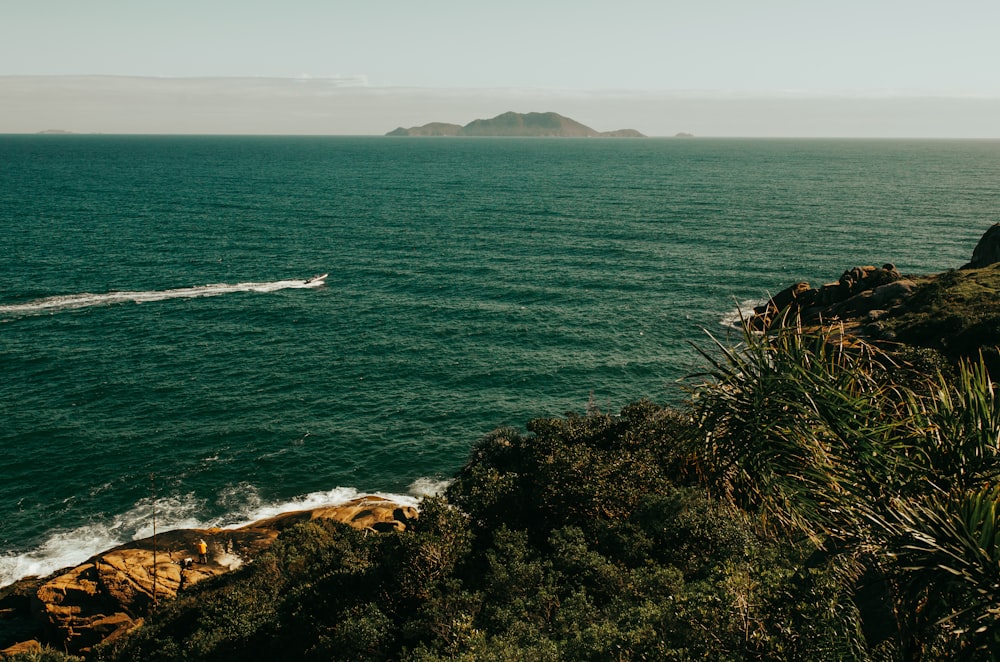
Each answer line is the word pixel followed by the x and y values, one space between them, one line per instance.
pixel 348 104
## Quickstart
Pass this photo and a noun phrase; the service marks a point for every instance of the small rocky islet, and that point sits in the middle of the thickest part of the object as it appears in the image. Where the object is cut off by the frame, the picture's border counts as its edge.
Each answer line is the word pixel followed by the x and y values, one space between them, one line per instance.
pixel 515 125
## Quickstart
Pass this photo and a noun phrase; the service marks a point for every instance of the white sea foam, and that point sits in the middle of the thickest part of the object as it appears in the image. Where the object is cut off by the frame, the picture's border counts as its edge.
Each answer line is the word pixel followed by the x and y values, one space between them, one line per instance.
pixel 228 560
pixel 66 549
pixel 743 310
pixel 87 299
pixel 422 487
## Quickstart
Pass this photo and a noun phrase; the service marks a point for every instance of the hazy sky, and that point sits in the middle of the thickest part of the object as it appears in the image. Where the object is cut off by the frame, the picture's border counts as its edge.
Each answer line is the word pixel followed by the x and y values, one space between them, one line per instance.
pixel 709 66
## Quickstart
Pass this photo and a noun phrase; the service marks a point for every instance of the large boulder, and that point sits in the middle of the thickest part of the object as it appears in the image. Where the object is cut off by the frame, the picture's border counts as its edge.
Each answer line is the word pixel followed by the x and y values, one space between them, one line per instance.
pixel 367 512
pixel 987 251
pixel 789 300
pixel 881 298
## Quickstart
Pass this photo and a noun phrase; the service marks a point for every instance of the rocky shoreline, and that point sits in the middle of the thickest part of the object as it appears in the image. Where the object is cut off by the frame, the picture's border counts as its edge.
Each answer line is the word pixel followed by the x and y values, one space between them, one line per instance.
pixel 111 593
pixel 950 312
pixel 861 291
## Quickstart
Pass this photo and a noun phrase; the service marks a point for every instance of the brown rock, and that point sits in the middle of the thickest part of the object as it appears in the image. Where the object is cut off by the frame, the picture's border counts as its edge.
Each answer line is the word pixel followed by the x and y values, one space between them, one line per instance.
pixel 107 596
pixel 790 295
pixel 790 299
pixel 830 294
pixel 30 646
pixel 892 293
pixel 371 513
pixel 883 296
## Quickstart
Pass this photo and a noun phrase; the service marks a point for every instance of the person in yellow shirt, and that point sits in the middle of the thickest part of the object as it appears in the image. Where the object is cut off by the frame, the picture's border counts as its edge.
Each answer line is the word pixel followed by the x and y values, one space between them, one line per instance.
pixel 202 552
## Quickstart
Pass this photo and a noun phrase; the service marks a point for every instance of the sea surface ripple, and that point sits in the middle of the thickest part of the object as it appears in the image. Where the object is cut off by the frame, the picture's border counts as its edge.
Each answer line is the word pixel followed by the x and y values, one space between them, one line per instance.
pixel 162 351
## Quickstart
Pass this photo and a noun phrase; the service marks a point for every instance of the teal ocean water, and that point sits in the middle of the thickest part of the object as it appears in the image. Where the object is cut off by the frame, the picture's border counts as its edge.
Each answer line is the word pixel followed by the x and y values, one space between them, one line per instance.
pixel 155 322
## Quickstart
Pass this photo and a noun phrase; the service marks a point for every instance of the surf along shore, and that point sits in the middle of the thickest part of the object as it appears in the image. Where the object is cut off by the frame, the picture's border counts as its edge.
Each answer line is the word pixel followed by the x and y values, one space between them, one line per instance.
pixel 111 593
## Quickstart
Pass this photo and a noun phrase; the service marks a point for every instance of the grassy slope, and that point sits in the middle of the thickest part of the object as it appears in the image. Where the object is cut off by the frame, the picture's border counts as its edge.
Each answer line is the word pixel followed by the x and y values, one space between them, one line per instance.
pixel 955 312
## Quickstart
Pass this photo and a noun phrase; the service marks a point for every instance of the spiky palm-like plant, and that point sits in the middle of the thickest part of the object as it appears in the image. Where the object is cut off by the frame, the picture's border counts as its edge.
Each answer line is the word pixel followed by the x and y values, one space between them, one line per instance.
pixel 799 427
pixel 957 430
pixel 815 436
pixel 948 547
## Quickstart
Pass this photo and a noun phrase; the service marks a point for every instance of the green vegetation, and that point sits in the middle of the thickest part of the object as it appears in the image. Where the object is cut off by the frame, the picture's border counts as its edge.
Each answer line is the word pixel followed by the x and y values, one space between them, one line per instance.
pixel 955 312
pixel 810 501
pixel 42 655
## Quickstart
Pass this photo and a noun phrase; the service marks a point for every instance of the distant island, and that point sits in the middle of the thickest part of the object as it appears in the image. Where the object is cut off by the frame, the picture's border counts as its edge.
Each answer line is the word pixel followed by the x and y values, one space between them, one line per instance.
pixel 536 125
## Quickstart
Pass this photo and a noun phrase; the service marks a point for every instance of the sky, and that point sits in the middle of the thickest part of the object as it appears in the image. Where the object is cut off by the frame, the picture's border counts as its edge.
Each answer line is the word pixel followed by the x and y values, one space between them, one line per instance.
pixel 875 68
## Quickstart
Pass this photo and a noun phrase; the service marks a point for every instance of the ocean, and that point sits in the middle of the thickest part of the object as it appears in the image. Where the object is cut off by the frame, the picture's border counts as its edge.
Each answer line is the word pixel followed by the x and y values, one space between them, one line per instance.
pixel 163 355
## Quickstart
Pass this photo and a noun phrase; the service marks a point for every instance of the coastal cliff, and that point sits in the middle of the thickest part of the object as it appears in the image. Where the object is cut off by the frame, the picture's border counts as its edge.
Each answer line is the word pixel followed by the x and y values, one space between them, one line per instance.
pixel 511 124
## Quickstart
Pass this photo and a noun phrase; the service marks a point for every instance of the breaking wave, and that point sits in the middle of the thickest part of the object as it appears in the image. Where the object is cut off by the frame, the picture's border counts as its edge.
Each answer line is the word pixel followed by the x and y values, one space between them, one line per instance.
pixel 66 549
pixel 743 310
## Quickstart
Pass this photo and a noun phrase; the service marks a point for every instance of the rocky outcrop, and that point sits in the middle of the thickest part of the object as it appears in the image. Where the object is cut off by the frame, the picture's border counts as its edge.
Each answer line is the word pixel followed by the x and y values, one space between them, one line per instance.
pixel 858 291
pixel 537 125
pixel 370 512
pixel 879 304
pixel 107 596
pixel 950 316
pixel 987 251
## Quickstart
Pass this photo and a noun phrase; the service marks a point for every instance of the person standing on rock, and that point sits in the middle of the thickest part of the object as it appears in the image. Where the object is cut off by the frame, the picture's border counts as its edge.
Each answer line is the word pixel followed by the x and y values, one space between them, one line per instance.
pixel 202 552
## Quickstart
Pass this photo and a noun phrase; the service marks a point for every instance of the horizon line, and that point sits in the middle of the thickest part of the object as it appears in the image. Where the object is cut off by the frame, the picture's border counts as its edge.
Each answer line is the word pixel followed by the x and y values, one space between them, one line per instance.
pixel 680 137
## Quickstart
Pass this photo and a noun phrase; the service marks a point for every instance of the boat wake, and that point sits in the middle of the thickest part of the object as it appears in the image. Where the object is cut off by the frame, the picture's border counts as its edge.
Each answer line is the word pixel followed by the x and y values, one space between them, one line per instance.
pixel 87 299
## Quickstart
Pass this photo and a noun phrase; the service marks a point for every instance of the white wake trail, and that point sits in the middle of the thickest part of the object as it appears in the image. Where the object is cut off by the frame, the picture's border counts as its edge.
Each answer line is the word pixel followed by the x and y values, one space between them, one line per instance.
pixel 88 299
